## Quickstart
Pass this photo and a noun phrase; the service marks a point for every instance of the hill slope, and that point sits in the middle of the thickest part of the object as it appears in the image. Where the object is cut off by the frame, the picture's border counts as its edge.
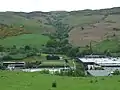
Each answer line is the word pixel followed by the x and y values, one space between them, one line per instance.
pixel 82 26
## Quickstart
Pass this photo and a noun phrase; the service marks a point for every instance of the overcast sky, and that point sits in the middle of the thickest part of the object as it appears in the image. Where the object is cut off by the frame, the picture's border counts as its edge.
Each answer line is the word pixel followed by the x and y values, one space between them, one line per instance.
pixel 53 5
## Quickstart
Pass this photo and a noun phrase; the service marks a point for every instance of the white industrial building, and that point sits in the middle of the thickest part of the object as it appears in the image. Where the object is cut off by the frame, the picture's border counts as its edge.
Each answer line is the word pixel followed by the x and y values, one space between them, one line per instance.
pixel 106 63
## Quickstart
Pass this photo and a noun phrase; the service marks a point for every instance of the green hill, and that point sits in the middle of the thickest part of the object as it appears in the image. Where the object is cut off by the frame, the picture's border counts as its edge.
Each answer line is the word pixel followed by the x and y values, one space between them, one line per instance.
pixel 82 26
pixel 31 24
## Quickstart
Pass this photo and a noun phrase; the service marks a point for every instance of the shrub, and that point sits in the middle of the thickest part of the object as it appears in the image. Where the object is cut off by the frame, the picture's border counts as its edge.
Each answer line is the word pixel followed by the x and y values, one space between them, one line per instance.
pixel 116 72
pixel 96 80
pixel 7 58
pixel 118 80
pixel 91 81
pixel 57 73
pixel 54 84
pixel 52 57
pixel 116 29
pixel 102 79
pixel 45 72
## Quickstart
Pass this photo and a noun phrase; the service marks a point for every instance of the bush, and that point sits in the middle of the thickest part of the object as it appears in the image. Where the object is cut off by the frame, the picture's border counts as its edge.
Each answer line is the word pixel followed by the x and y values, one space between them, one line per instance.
pixel 96 80
pixel 31 53
pixel 7 58
pixel 54 84
pixel 116 29
pixel 116 72
pixel 52 57
pixel 45 72
pixel 57 73
pixel 102 79
pixel 118 80
pixel 91 81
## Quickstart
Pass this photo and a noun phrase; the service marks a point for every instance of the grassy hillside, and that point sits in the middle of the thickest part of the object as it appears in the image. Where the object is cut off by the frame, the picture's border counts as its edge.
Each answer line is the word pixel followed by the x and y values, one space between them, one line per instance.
pixel 112 45
pixel 30 24
pixel 35 40
pixel 96 25
pixel 76 20
pixel 37 81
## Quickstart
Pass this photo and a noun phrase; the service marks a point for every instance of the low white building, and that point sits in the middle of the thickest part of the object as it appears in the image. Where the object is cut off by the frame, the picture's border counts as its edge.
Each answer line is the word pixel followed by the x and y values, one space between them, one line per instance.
pixel 13 65
pixel 51 70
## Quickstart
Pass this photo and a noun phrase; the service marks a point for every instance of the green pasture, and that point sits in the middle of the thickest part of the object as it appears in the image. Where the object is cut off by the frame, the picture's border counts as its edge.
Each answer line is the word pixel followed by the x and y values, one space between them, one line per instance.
pixel 35 40
pixel 37 81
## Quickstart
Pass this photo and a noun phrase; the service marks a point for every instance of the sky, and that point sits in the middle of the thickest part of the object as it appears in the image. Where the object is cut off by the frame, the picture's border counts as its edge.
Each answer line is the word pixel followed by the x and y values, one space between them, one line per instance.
pixel 55 5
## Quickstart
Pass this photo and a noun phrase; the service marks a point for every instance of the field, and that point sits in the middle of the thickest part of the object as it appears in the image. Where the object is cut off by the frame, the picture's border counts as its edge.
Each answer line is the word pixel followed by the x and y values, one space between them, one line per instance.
pixel 37 81
pixel 35 40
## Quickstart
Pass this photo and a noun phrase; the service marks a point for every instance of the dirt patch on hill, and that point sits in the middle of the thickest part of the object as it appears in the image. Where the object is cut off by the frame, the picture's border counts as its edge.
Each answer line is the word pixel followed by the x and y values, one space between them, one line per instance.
pixel 95 32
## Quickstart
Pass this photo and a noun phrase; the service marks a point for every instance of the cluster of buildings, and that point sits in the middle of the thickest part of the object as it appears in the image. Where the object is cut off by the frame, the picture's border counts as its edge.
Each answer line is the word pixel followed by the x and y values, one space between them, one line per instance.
pixel 96 65
pixel 100 64
pixel 21 66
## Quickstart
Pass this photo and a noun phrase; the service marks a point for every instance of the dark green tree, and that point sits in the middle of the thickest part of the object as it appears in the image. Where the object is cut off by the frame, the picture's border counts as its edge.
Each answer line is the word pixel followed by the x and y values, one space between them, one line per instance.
pixel 27 47
pixel 52 43
pixel 116 72
pixel 80 71
pixel 73 51
pixel 1 48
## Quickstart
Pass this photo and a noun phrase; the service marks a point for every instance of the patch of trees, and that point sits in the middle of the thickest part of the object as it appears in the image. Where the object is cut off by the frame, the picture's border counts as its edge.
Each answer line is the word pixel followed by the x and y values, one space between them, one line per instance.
pixel 15 53
pixel 52 57
pixel 59 43
pixel 34 64
pixel 116 29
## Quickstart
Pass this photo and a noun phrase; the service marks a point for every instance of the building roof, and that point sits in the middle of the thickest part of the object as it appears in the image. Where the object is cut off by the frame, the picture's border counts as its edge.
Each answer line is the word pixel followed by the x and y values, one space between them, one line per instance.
pixel 13 62
pixel 95 56
pixel 102 61
pixel 100 72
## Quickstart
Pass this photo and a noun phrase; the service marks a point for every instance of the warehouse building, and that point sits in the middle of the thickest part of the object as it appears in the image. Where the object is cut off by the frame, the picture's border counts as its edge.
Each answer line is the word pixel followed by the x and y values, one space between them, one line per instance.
pixel 106 63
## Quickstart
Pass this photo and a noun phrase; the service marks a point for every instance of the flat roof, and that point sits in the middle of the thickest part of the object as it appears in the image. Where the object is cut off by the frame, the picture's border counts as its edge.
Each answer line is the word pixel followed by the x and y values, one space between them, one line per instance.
pixel 104 61
pixel 13 62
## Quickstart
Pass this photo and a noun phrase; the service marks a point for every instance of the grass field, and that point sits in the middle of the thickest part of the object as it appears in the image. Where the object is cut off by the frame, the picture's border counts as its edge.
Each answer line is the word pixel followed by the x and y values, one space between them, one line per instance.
pixel 37 81
pixel 35 40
